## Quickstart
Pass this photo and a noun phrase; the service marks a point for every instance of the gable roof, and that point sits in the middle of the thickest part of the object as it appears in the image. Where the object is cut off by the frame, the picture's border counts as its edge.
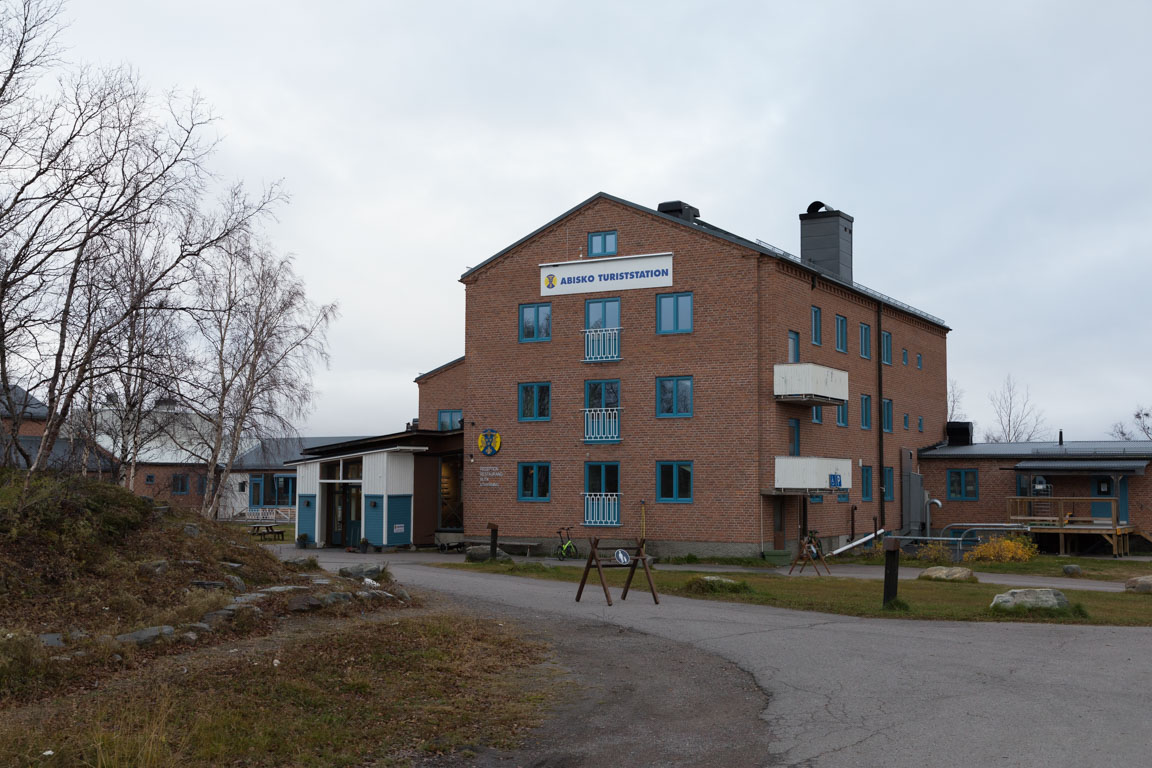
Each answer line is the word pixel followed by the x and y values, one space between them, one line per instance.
pixel 274 452
pixel 439 369
pixel 26 403
pixel 67 455
pixel 709 229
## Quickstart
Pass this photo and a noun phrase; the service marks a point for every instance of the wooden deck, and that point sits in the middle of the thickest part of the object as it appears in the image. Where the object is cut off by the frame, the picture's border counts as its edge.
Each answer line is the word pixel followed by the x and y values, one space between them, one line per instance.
pixel 1072 516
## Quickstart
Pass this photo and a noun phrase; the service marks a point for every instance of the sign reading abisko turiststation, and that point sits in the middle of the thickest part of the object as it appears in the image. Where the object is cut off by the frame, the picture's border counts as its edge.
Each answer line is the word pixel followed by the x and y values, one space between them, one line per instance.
pixel 614 273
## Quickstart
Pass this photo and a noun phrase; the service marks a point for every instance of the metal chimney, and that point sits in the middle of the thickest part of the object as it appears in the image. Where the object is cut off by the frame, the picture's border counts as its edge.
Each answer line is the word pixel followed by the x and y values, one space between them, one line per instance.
pixel 826 240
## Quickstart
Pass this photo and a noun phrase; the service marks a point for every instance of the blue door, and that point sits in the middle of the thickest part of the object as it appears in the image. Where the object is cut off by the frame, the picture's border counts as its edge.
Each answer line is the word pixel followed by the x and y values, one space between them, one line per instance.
pixel 374 519
pixel 1105 486
pixel 399 528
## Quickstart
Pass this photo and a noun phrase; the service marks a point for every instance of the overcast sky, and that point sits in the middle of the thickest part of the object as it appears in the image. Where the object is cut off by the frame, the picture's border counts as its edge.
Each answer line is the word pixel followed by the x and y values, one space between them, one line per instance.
pixel 995 156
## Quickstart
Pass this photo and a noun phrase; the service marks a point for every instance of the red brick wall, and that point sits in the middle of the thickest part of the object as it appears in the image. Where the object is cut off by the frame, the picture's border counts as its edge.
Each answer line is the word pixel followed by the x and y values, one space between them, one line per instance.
pixel 737 428
pixel 443 390
pixel 27 427
pixel 161 488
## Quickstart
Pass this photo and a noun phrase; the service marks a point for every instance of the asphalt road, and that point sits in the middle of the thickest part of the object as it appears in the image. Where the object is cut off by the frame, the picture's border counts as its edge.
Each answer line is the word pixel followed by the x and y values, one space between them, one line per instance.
pixel 844 691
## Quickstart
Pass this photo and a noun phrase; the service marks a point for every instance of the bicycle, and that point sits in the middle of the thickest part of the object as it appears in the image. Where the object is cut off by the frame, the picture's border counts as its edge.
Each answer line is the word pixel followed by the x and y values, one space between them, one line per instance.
pixel 566 547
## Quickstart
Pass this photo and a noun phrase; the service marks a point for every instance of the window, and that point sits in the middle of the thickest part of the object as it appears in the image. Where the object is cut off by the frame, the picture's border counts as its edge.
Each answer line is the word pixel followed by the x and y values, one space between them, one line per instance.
pixel 149 479
pixel 919 360
pixel 865 340
pixel 886 414
pixel 674 313
pixel 866 483
pixel 841 333
pixel 889 485
pixel 602 243
pixel 601 411
pixel 865 412
pixel 817 335
pixel 919 423
pixel 842 498
pixel 271 490
pixel 886 348
pixel 963 485
pixel 535 322
pixel 446 421
pixel 536 401
pixel 202 484
pixel 674 397
pixel 180 485
pixel 905 421
pixel 817 414
pixel 602 477
pixel 904 354
pixel 793 346
pixel 533 482
pixel 674 481
pixel 842 415
pixel 816 499
pixel 602 313
pixel 793 437
pixel 602 394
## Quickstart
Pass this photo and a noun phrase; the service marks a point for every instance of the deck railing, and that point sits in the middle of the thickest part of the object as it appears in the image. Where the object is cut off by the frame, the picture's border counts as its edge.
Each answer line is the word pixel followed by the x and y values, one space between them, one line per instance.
pixel 601 509
pixel 1063 511
pixel 601 425
pixel 601 344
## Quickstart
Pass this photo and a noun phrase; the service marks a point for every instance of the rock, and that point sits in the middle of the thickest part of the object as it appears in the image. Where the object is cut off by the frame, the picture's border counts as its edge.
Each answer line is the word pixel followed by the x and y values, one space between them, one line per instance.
pixel 235 582
pixel 1073 570
pixel 716 580
pixel 216 618
pixel 363 595
pixel 304 603
pixel 282 588
pixel 189 637
pixel 251 597
pixel 227 564
pixel 154 568
pixel 1139 584
pixel 361 571
pixel 145 636
pixel 946 573
pixel 52 640
pixel 191 529
pixel 303 562
pixel 106 640
pixel 117 657
pixel 335 597
pixel 1031 598
pixel 402 593
pixel 198 626
pixel 208 584
pixel 76 634
pixel 480 555
pixel 190 563
pixel 321 581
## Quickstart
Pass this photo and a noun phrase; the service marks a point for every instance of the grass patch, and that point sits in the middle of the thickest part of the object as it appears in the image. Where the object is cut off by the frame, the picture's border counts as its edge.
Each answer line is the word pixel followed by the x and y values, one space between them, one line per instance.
pixel 1035 613
pixel 366 693
pixel 1098 568
pixel 933 600
pixel 713 585
pixel 743 562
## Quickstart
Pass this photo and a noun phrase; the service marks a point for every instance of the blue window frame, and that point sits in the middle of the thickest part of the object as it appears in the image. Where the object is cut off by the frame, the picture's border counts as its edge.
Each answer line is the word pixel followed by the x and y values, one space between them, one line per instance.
pixel 536 322
pixel 817 414
pixel 865 340
pixel 841 333
pixel 674 397
pixel 842 498
pixel 601 477
pixel 793 437
pixel 534 481
pixel 963 485
pixel 602 243
pixel 865 411
pixel 180 485
pixel 919 360
pixel 149 479
pixel 256 491
pixel 535 401
pixel 885 347
pixel 866 483
pixel 674 313
pixel 674 481
pixel 904 355
pixel 602 393
pixel 793 346
pixel 602 313
pixel 817 333
pixel 889 485
pixel 886 414
pixel 905 421
pixel 842 415
pixel 817 499
pixel 919 423
pixel 448 420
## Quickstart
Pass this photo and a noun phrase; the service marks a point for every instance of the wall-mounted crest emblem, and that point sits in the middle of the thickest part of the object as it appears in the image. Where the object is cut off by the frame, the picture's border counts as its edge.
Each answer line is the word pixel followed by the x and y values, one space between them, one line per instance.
pixel 489 442
pixel 549 281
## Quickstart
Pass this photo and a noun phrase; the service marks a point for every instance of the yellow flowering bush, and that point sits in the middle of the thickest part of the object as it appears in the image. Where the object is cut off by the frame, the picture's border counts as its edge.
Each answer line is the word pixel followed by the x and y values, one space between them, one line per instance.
pixel 934 552
pixel 1006 549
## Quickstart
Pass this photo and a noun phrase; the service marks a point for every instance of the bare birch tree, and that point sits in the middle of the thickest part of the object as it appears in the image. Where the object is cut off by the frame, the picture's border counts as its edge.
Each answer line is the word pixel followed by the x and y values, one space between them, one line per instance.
pixel 1017 419
pixel 1140 428
pixel 955 398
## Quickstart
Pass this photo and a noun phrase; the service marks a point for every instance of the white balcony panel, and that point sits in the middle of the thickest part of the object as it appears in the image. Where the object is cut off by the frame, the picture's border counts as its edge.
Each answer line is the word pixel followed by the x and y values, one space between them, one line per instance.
pixel 601 425
pixel 601 344
pixel 601 509
pixel 808 382
pixel 812 473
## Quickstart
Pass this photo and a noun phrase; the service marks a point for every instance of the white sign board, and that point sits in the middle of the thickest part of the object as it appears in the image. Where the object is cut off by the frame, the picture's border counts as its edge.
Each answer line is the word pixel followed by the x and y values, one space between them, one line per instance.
pixel 621 273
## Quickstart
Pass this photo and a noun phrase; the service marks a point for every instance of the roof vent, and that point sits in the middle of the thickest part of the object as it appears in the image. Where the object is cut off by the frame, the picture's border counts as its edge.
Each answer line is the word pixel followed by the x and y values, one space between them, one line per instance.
pixel 680 210
pixel 959 432
pixel 826 240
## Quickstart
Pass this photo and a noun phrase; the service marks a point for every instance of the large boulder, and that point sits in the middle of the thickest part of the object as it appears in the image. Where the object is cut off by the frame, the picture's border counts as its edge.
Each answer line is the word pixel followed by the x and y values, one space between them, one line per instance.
pixel 480 555
pixel 235 582
pixel 145 636
pixel 1073 570
pixel 1139 584
pixel 361 570
pixel 946 573
pixel 1031 598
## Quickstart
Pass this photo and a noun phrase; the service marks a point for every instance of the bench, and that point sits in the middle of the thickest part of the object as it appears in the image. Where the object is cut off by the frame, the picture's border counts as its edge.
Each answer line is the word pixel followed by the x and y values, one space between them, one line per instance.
pixel 459 546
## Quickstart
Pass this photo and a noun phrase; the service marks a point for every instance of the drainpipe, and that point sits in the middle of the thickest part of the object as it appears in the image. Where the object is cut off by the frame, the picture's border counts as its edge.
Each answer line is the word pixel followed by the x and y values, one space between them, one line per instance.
pixel 760 415
pixel 880 399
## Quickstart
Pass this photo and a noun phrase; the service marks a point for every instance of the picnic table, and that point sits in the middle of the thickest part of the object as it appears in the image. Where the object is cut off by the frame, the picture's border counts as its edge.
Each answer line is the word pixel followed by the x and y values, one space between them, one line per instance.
pixel 265 531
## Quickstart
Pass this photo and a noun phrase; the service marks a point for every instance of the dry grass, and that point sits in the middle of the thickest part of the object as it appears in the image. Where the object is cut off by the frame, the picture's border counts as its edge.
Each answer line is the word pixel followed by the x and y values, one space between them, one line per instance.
pixel 364 693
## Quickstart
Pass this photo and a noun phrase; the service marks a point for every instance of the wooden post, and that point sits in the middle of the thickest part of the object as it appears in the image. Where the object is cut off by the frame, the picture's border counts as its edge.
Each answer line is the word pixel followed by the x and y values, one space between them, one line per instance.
pixel 891 569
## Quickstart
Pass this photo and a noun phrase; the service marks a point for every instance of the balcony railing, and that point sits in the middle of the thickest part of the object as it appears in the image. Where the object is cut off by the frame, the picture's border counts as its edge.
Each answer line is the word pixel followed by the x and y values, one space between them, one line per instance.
pixel 809 383
pixel 804 474
pixel 601 425
pixel 601 509
pixel 601 344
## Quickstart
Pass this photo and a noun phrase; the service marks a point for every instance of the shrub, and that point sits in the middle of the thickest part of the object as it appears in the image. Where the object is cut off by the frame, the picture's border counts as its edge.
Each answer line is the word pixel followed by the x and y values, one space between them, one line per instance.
pixel 936 552
pixel 897 604
pixel 1006 549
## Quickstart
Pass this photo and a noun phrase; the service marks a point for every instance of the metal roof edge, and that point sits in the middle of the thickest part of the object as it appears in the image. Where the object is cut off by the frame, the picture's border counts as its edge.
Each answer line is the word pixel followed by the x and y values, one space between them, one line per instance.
pixel 439 368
